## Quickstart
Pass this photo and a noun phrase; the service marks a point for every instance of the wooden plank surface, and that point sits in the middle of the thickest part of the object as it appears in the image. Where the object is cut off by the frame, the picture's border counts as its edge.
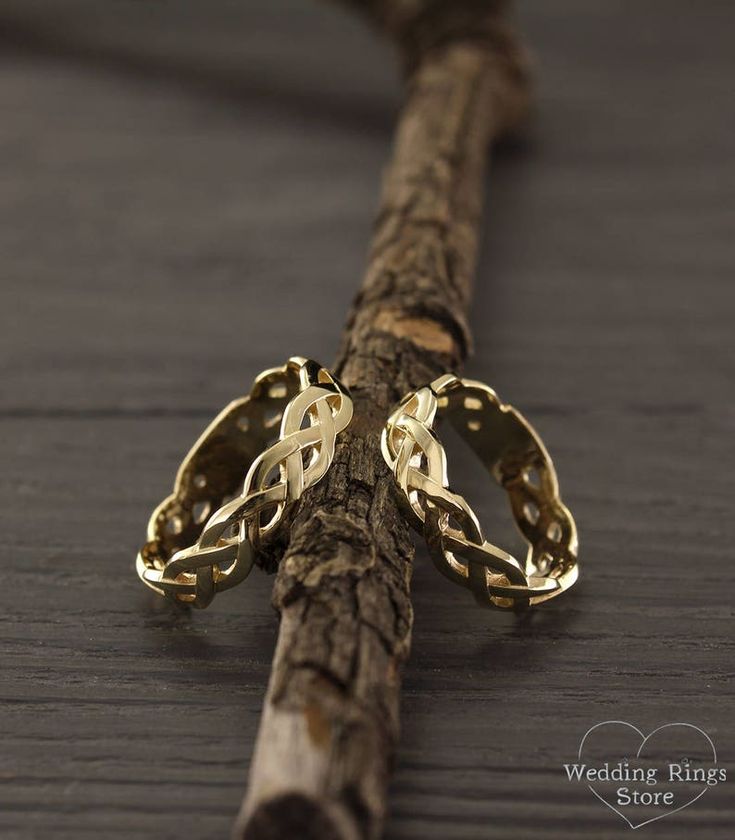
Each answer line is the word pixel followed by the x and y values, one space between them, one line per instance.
pixel 187 192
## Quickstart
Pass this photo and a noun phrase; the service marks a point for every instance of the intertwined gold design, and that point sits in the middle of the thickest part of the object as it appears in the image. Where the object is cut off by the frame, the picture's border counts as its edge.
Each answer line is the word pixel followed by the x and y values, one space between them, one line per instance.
pixel 191 552
pixel 514 454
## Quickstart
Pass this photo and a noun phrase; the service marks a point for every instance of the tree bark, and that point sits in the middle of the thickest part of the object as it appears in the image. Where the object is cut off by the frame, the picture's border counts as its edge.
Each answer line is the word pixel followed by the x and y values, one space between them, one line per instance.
pixel 330 720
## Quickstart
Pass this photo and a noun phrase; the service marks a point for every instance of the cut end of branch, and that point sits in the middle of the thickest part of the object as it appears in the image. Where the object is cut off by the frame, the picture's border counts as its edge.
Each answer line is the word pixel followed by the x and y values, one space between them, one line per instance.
pixel 289 816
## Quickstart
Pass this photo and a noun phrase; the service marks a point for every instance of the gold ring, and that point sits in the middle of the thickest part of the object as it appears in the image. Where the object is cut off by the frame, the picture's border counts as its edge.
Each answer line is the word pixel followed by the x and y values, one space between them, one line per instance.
pixel 202 538
pixel 512 451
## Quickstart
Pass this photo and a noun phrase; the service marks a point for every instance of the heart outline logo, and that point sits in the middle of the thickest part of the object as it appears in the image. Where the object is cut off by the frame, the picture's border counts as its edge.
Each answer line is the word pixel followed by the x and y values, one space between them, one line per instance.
pixel 644 740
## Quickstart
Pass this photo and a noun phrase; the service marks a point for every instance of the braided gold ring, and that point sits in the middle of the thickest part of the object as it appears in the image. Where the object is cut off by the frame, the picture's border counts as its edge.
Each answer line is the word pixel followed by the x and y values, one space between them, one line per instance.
pixel 281 437
pixel 515 456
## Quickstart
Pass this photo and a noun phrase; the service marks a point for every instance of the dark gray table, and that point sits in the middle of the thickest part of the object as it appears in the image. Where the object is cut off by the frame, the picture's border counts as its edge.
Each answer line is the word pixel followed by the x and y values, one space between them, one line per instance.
pixel 187 193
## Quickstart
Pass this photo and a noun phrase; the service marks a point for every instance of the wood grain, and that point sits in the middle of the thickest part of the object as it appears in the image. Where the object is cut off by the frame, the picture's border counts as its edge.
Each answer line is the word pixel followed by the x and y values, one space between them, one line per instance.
pixel 135 200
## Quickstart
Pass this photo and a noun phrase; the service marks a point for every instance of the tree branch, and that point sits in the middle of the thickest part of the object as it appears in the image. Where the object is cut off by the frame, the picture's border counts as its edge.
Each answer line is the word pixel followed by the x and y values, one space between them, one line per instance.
pixel 330 720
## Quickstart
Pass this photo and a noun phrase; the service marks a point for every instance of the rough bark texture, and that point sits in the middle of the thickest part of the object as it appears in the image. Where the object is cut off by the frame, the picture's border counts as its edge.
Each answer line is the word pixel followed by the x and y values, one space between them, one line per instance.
pixel 330 722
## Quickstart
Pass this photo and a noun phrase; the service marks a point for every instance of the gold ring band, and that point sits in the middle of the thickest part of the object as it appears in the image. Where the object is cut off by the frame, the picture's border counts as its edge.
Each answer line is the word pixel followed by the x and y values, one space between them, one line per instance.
pixel 202 538
pixel 515 456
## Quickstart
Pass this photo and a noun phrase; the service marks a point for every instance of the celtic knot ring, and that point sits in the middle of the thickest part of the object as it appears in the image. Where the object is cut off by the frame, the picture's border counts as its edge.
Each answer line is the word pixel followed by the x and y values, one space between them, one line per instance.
pixel 513 453
pixel 281 438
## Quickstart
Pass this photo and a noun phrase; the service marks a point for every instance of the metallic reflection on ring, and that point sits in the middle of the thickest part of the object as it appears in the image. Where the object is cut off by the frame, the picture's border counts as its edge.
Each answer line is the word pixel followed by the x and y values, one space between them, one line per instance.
pixel 280 439
pixel 515 456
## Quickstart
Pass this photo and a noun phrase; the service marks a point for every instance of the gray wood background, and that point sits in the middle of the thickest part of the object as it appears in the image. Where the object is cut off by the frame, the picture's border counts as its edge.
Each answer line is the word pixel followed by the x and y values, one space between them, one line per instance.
pixel 186 194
